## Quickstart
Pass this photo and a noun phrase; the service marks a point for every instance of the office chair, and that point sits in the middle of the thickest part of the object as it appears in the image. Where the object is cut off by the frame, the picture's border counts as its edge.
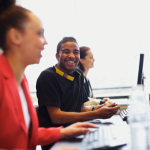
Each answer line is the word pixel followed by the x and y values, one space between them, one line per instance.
pixel 37 110
pixel 38 147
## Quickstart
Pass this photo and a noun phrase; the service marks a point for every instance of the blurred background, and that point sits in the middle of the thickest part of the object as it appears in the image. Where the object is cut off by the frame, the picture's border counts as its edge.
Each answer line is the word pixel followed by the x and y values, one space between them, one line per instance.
pixel 114 30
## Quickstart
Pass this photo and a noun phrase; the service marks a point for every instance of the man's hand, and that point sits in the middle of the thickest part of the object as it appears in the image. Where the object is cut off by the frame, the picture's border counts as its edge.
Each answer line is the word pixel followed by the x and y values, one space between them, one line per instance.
pixel 106 110
pixel 76 129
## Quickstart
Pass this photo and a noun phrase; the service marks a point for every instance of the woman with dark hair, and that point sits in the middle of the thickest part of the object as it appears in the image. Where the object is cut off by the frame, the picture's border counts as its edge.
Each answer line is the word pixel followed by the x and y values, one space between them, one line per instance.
pixel 86 62
pixel 22 40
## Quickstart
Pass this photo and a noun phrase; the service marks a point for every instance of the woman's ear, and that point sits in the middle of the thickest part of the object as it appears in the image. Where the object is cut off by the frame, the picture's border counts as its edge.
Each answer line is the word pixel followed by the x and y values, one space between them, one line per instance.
pixel 81 60
pixel 14 36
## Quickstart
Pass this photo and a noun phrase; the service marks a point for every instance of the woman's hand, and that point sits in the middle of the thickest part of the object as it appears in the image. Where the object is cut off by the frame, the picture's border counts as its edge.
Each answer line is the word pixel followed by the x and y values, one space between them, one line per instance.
pixel 108 102
pixel 76 129
pixel 106 99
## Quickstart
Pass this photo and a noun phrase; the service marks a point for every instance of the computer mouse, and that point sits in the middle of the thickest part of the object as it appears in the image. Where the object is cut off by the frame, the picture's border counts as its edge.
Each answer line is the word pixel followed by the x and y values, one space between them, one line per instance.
pixel 114 105
pixel 102 102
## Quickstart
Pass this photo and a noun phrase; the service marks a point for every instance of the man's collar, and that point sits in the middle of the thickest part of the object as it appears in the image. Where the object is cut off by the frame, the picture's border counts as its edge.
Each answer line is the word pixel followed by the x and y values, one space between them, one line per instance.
pixel 69 77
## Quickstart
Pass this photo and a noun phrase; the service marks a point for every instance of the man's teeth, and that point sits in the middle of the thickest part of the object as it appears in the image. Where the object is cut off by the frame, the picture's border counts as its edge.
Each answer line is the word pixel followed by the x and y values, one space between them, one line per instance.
pixel 71 62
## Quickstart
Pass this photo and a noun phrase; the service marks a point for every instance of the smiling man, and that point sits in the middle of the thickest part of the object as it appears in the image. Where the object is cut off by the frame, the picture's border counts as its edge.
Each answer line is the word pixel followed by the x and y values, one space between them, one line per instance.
pixel 68 57
pixel 60 90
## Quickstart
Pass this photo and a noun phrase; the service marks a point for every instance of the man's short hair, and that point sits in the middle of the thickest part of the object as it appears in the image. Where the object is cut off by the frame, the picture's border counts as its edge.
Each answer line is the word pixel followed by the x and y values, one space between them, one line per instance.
pixel 64 40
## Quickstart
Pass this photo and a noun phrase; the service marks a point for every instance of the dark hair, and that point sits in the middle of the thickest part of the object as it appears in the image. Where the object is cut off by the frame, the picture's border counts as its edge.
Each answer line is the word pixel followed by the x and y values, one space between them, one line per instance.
pixel 83 53
pixel 64 40
pixel 11 16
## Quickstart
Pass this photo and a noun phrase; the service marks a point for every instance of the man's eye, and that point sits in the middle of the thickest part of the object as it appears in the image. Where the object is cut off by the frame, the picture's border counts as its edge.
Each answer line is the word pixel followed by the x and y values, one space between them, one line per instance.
pixel 76 53
pixel 66 52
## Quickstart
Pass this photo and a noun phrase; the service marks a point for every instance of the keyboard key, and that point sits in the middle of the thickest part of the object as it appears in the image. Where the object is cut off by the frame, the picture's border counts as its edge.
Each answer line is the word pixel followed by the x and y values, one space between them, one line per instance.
pixel 96 135
pixel 124 114
pixel 113 131
pixel 102 138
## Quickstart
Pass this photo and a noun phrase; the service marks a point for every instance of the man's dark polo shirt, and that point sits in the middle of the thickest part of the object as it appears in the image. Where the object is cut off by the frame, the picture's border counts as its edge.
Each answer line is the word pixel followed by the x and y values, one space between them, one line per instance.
pixel 56 90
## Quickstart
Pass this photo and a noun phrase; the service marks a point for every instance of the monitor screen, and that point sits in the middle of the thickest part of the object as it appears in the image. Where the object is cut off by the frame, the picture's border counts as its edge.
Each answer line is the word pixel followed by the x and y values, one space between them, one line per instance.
pixel 138 75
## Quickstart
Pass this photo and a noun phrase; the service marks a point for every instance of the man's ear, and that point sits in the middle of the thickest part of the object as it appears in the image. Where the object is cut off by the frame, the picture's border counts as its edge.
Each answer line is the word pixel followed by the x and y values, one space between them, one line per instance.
pixel 57 56
pixel 14 36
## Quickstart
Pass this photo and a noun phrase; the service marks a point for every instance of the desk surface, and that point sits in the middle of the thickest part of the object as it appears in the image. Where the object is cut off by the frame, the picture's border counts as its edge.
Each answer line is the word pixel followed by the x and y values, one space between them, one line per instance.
pixel 116 119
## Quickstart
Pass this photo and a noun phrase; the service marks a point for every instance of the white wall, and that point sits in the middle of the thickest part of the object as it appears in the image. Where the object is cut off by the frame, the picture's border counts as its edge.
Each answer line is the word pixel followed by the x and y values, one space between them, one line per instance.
pixel 114 30
pixel 18 2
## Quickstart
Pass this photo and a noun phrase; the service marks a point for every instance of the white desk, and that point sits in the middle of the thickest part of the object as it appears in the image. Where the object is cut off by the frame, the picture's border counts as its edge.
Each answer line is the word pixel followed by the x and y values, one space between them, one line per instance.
pixel 116 119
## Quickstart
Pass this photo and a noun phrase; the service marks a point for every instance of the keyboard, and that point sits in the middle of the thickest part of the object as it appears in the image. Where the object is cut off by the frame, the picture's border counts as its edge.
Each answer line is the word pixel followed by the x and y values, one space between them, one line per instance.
pixel 124 114
pixel 105 137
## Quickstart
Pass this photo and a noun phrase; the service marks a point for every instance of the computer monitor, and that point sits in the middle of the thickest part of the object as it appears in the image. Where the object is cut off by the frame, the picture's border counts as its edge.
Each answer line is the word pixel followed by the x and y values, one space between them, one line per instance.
pixel 141 74
pixel 138 74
